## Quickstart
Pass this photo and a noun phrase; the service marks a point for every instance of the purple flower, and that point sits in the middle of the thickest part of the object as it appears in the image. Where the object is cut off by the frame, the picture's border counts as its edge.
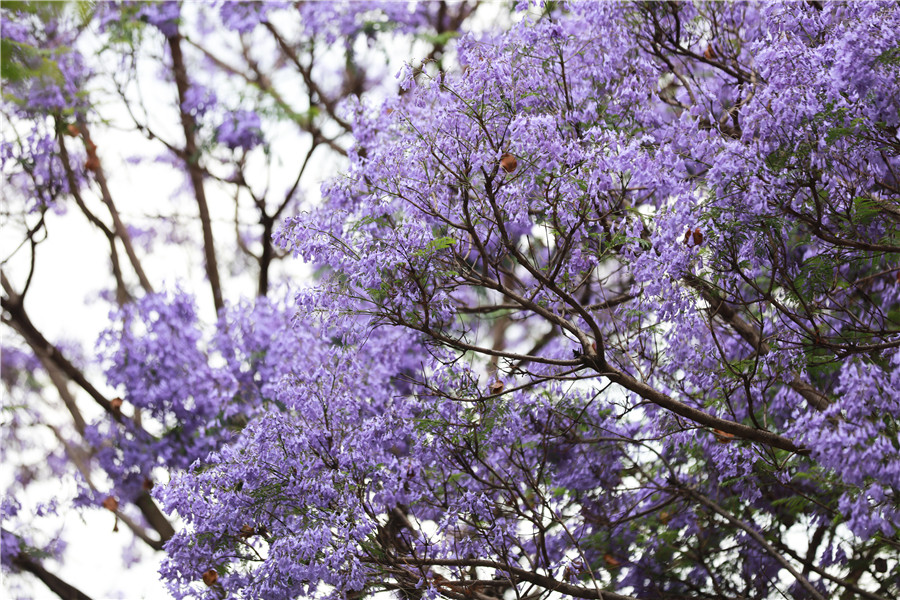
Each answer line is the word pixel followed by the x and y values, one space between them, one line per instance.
pixel 240 129
pixel 198 100
pixel 243 17
pixel 162 15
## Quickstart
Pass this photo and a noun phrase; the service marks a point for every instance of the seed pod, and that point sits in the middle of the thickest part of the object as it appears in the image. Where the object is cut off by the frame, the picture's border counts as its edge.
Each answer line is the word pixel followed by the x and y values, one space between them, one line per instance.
pixel 709 53
pixel 110 503
pixel 92 164
pixel 687 237
pixel 147 485
pixel 496 387
pixel 72 130
pixel 247 531
pixel 116 404
pixel 698 237
pixel 210 577
pixel 508 162
pixel 723 437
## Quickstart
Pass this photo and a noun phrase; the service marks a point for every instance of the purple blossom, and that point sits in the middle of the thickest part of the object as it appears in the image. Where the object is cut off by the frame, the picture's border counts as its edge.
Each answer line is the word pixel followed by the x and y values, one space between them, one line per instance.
pixel 240 129
pixel 609 303
pixel 164 16
pixel 198 100
pixel 243 17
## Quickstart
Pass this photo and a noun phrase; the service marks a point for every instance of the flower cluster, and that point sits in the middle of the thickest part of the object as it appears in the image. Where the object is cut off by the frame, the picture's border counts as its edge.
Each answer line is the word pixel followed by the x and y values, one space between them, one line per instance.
pixel 607 307
pixel 695 201
pixel 240 129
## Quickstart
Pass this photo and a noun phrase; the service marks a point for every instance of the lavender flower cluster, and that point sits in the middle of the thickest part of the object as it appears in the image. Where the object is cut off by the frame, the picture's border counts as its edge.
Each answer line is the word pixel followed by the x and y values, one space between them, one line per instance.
pixel 611 309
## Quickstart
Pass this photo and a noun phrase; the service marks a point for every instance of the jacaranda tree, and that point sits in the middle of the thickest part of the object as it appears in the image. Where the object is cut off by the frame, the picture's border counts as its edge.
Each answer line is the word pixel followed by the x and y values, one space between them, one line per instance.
pixel 605 303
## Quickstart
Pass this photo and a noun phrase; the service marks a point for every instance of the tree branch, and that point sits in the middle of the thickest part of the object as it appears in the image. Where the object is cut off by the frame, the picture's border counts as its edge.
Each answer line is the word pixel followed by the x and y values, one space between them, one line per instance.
pixel 194 172
pixel 65 591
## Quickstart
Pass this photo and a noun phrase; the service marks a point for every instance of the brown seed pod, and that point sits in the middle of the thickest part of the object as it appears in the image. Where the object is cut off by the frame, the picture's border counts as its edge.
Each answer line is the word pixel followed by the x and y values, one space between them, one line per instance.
pixel 147 485
pixel 698 237
pixel 611 561
pixel 687 237
pixel 709 53
pixel 210 577
pixel 110 503
pixel 723 437
pixel 247 531
pixel 92 164
pixel 116 404
pixel 72 130
pixel 508 162
pixel 496 387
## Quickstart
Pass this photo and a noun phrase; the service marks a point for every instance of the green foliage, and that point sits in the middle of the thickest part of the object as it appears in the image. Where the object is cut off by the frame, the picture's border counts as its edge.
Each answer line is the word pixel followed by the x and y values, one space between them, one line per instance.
pixel 434 246
pixel 864 210
pixel 438 39
pixel 890 57
pixel 816 277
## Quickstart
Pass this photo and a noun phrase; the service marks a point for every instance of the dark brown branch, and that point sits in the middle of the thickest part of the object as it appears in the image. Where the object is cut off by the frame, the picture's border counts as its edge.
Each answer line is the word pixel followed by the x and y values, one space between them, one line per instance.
pixel 195 173
pixel 753 533
pixel 62 387
pixel 48 354
pixel 698 416
pixel 119 227
pixel 65 591
pixel 18 319
pixel 155 517
pixel 718 307
pixel 122 294
pixel 544 581
pixel 330 104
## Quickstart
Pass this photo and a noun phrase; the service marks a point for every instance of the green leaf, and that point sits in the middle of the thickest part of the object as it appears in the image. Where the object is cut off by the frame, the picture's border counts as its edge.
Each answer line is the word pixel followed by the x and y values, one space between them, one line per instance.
pixel 889 57
pixel 864 210
pixel 439 39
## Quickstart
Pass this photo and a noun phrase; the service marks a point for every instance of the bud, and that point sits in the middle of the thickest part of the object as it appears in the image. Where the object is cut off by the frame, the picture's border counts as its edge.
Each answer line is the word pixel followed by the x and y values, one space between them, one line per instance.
pixel 210 577
pixel 508 162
